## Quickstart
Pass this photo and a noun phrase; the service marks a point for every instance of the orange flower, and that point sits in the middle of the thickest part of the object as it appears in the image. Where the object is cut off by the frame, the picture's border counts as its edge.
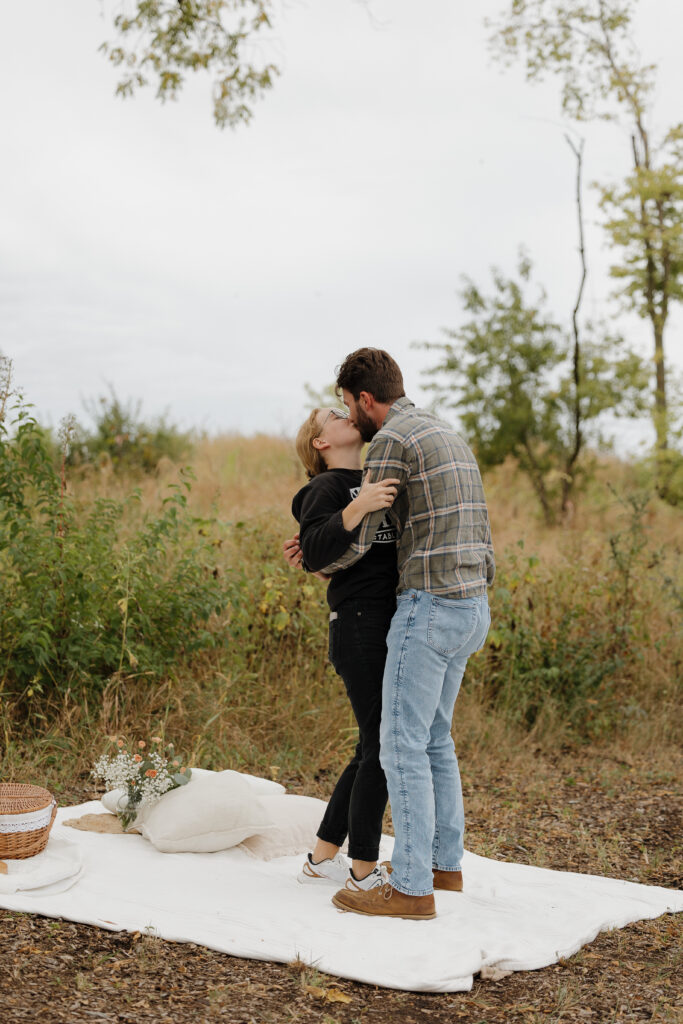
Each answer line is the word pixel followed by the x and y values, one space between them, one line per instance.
pixel 151 773
pixel 136 757
pixel 119 743
pixel 156 739
pixel 142 744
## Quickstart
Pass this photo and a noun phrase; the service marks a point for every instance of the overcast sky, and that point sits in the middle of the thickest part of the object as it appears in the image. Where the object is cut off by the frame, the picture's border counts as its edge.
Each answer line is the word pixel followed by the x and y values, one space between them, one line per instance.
pixel 210 273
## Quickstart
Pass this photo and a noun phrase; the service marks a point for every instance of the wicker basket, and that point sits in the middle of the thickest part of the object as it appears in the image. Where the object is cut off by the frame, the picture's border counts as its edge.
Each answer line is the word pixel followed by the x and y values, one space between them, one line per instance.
pixel 26 817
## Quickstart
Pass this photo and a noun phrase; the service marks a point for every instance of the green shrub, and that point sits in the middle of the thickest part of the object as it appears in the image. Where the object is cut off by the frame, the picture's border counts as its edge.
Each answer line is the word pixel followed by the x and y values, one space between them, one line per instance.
pixel 536 665
pixel 86 592
pixel 571 644
pixel 121 437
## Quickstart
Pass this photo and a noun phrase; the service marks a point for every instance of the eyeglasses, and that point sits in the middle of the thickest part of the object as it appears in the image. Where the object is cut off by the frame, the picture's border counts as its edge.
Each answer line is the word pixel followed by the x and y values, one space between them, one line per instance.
pixel 339 414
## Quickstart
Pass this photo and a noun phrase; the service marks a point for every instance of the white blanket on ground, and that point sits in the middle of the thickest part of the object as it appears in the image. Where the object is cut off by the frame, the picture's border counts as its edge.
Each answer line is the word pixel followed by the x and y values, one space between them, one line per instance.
pixel 510 917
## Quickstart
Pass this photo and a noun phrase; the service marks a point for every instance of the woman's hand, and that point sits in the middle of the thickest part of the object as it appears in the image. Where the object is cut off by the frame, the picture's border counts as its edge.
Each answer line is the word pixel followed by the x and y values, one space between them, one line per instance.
pixel 293 555
pixel 379 495
pixel 371 498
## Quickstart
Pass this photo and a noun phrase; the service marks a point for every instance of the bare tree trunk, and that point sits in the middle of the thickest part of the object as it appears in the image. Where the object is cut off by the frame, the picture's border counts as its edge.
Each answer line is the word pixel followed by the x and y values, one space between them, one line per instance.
pixel 660 387
pixel 661 406
pixel 568 478
pixel 536 476
pixel 658 320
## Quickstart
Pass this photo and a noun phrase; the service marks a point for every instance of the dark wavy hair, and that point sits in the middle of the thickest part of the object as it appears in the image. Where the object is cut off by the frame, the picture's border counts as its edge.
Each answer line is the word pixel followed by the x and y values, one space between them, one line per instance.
pixel 372 370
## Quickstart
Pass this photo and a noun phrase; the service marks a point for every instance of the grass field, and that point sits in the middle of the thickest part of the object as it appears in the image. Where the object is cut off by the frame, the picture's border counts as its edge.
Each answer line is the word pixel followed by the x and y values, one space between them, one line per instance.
pixel 585 646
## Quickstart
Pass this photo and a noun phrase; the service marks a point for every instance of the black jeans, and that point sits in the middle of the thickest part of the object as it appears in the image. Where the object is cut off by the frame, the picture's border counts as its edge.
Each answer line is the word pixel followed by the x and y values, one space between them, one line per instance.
pixel 358 651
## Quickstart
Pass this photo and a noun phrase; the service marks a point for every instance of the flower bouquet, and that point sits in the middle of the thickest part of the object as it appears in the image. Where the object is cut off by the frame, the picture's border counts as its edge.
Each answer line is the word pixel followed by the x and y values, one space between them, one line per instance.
pixel 145 773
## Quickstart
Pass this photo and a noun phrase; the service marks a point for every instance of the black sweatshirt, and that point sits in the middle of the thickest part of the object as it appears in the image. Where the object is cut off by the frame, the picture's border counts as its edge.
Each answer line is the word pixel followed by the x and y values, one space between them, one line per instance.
pixel 318 509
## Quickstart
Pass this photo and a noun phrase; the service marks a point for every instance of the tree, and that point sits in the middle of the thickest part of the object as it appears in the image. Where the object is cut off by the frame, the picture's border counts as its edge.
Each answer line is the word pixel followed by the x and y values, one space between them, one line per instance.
pixel 588 45
pixel 645 221
pixel 121 438
pixel 510 374
pixel 162 41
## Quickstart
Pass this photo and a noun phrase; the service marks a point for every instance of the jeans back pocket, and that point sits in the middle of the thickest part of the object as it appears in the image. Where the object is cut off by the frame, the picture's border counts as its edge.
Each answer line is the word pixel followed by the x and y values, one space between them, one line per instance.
pixel 452 624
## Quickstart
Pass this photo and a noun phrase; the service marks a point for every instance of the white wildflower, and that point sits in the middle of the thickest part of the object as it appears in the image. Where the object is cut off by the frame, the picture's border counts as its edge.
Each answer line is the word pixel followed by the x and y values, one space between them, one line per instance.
pixel 144 777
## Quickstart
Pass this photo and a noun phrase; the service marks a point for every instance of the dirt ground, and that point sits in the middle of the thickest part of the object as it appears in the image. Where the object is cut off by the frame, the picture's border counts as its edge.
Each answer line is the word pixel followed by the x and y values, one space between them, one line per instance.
pixel 587 812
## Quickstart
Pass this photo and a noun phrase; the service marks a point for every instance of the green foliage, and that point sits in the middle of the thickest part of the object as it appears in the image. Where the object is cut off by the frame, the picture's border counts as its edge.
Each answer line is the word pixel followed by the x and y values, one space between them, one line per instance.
pixel 645 221
pixel 588 45
pixel 571 643
pixel 530 669
pixel 87 592
pixel 508 372
pixel 665 467
pixel 272 608
pixel 119 436
pixel 168 40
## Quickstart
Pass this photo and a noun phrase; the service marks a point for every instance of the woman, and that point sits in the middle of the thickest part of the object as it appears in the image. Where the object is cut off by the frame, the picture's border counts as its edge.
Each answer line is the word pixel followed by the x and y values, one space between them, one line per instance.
pixel 362 600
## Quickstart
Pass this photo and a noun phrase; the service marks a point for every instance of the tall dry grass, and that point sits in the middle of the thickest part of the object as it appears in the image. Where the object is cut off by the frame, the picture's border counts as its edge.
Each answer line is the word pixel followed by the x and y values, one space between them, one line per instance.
pixel 267 700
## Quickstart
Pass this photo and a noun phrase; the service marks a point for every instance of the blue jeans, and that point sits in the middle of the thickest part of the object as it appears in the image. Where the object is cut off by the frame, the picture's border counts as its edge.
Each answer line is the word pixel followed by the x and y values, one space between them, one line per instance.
pixel 429 642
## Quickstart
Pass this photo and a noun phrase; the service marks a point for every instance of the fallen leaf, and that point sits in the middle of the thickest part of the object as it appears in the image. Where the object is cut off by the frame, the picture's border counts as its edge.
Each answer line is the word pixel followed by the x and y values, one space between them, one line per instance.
pixel 335 995
pixel 3 868
pixel 330 995
pixel 313 990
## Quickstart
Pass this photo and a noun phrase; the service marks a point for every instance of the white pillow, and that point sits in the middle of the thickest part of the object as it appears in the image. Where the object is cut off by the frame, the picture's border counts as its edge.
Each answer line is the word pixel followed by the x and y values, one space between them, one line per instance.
pixel 266 787
pixel 211 814
pixel 110 800
pixel 294 821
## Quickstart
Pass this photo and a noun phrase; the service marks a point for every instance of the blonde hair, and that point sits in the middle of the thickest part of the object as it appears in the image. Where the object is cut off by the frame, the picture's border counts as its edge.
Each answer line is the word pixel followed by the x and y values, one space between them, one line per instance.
pixel 311 459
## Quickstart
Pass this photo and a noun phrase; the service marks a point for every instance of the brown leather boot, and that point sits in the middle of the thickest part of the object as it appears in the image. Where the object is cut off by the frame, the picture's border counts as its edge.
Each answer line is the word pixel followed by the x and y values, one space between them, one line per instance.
pixel 450 881
pixel 385 901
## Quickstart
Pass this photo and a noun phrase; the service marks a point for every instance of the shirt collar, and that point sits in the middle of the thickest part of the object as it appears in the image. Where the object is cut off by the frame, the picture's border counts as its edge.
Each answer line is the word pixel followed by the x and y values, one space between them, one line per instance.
pixel 400 405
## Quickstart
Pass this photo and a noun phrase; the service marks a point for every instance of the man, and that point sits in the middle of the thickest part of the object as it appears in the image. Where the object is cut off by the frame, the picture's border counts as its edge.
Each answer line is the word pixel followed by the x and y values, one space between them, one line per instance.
pixel 445 564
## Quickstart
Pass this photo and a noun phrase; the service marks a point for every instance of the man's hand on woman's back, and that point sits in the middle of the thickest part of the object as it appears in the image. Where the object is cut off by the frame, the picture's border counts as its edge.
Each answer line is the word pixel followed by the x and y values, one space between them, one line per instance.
pixel 293 555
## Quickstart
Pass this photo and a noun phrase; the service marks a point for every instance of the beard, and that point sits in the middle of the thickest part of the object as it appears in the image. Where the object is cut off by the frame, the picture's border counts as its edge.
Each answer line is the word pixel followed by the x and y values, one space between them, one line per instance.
pixel 366 428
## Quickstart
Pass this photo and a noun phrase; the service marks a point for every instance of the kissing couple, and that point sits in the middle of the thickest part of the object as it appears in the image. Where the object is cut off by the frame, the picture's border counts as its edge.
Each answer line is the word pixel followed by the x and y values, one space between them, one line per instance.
pixel 405 543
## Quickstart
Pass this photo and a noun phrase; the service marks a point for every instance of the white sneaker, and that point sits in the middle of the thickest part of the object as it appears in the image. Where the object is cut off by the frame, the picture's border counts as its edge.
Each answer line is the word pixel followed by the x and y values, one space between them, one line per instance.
pixel 377 876
pixel 335 870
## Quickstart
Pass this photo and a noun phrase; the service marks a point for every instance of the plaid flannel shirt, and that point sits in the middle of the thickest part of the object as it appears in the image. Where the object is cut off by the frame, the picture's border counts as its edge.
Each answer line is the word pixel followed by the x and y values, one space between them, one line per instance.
pixel 440 510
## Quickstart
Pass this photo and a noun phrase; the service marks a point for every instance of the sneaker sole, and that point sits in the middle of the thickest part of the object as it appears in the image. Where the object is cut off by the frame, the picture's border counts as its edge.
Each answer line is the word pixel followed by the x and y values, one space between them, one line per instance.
pixel 405 917
pixel 361 889
pixel 304 879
